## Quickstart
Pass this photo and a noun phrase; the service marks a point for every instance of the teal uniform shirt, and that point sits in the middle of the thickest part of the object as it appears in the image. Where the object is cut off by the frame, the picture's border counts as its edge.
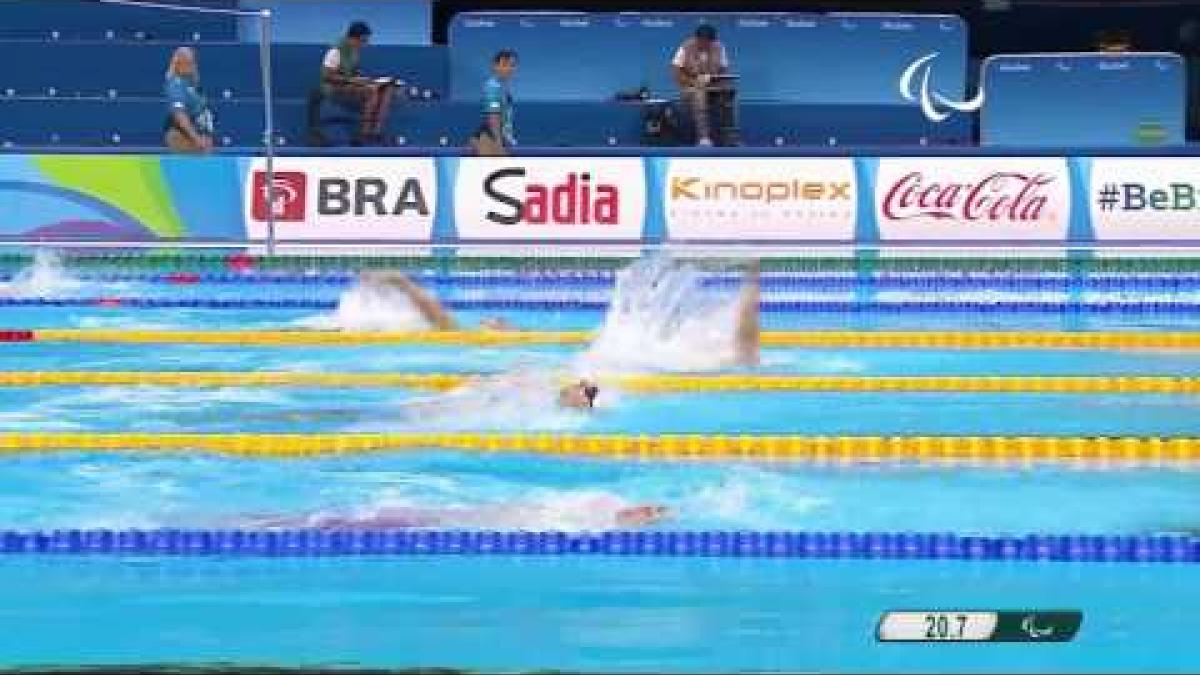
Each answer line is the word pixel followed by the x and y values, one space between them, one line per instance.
pixel 183 95
pixel 498 100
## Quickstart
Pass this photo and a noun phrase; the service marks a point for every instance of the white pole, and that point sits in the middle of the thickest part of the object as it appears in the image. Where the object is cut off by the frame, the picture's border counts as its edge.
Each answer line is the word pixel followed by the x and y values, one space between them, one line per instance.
pixel 268 123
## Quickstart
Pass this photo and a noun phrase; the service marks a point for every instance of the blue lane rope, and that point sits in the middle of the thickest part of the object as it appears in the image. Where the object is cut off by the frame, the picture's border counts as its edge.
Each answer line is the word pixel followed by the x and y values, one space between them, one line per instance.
pixel 567 304
pixel 601 280
pixel 724 544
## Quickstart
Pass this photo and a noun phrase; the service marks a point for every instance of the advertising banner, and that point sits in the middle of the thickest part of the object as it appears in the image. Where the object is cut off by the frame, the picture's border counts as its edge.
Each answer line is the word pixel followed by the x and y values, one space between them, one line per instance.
pixel 324 198
pixel 973 199
pixel 776 199
pixel 548 199
pixel 581 203
pixel 1146 199
pixel 119 197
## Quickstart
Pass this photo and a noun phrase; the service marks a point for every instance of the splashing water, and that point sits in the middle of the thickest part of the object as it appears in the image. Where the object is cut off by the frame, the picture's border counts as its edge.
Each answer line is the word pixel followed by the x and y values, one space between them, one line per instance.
pixel 370 307
pixel 663 318
pixel 543 509
pixel 46 277
pixel 524 398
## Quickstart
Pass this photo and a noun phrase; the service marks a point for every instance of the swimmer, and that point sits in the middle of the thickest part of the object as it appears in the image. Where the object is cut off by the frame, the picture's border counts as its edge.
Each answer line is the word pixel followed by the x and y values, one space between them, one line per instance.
pixel 501 516
pixel 747 333
pixel 579 394
pixel 434 313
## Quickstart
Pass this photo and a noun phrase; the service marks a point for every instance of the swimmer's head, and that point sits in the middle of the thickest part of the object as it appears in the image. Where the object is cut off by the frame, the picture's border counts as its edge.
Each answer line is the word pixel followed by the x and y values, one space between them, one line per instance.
pixel 641 515
pixel 581 395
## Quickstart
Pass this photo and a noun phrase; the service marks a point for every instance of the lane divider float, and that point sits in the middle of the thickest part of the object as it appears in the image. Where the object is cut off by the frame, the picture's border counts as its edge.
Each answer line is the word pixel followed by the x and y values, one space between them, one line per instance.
pixel 716 544
pixel 638 383
pixel 811 339
pixel 972 450
pixel 595 305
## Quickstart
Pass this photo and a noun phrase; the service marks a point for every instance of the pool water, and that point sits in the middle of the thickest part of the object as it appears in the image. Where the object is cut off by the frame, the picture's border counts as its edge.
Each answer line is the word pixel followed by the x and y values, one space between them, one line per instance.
pixel 592 613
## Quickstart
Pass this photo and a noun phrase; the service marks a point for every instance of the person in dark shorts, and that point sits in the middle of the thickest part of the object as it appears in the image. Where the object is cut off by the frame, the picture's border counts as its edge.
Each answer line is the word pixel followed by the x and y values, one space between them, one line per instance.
pixel 495 136
pixel 342 82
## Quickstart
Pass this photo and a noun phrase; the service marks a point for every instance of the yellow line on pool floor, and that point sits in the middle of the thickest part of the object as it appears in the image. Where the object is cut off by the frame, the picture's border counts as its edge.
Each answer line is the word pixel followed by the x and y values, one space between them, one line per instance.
pixel 840 449
pixel 644 383
pixel 811 339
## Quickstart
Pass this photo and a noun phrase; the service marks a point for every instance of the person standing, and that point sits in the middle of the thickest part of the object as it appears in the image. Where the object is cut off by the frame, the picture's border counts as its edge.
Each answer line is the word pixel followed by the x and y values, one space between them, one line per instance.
pixel 189 123
pixel 696 62
pixel 342 82
pixel 496 136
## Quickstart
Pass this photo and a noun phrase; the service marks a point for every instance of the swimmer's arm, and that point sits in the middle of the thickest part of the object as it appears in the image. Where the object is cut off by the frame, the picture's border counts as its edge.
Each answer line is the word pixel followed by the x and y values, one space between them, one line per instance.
pixel 426 304
pixel 747 333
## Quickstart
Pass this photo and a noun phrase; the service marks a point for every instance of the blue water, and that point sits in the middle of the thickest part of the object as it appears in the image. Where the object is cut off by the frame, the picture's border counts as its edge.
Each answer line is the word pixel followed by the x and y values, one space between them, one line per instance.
pixel 617 614
pixel 579 613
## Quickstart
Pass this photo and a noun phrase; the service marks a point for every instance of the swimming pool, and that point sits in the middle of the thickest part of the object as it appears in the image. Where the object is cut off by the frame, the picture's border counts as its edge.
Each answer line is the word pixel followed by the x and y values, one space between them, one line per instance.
pixel 671 600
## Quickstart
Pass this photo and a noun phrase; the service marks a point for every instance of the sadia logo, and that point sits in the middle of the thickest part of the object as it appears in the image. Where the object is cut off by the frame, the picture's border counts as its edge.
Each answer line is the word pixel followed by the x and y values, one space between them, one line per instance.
pixel 288 199
pixel 577 200
pixel 915 87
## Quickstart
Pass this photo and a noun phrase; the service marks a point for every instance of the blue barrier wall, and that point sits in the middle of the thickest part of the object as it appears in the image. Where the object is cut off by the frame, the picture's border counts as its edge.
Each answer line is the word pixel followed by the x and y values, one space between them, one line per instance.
pixel 1084 99
pixel 89 20
pixel 798 58
pixel 134 69
pixel 984 199
pixel 393 22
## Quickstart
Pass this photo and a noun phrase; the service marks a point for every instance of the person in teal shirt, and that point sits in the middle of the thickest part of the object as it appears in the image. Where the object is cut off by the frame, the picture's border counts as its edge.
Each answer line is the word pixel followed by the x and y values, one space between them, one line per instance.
pixel 496 135
pixel 189 122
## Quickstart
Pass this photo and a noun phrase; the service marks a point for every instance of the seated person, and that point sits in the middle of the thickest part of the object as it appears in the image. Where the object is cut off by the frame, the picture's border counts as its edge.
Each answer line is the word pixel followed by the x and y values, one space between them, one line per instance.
pixel 697 61
pixel 189 123
pixel 342 82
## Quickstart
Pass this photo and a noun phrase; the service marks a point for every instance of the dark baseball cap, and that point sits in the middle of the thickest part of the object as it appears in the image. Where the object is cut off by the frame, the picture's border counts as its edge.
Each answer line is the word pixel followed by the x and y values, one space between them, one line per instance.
pixel 358 29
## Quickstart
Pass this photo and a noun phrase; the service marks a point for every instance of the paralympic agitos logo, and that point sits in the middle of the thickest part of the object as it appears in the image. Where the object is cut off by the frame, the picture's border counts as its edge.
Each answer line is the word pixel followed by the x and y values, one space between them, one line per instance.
pixel 915 87
pixel 577 199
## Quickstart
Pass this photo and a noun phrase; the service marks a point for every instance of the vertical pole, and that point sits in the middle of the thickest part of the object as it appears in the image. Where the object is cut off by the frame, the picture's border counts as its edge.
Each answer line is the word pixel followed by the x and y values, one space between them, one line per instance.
pixel 268 123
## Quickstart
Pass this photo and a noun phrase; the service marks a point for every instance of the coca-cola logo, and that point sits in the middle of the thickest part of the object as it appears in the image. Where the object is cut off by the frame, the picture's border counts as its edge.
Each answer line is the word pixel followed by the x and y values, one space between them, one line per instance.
pixel 999 196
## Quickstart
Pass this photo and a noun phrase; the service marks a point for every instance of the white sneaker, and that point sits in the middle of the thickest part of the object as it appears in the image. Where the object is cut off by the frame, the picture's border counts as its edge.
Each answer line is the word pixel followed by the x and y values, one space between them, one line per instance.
pixel 704 142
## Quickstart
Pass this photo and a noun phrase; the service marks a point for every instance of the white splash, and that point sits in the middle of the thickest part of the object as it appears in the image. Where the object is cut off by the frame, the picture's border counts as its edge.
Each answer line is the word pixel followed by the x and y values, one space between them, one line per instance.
pixel 523 398
pixel 543 509
pixel 747 497
pixel 46 277
pixel 663 318
pixel 369 307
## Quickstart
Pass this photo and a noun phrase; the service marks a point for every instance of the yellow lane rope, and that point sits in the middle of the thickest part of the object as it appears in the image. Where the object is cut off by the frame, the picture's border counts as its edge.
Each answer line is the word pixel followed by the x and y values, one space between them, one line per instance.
pixel 644 383
pixel 840 449
pixel 865 339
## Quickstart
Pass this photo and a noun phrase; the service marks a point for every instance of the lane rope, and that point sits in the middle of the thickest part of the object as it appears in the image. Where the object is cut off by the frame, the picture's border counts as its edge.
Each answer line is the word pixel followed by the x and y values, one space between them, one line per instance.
pixel 716 544
pixel 809 339
pixel 638 383
pixel 242 261
pixel 604 279
pixel 974 450
pixel 583 304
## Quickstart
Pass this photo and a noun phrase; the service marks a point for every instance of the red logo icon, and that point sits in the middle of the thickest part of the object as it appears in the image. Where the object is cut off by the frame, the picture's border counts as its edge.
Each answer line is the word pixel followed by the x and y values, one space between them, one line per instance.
pixel 290 198
pixel 1000 196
